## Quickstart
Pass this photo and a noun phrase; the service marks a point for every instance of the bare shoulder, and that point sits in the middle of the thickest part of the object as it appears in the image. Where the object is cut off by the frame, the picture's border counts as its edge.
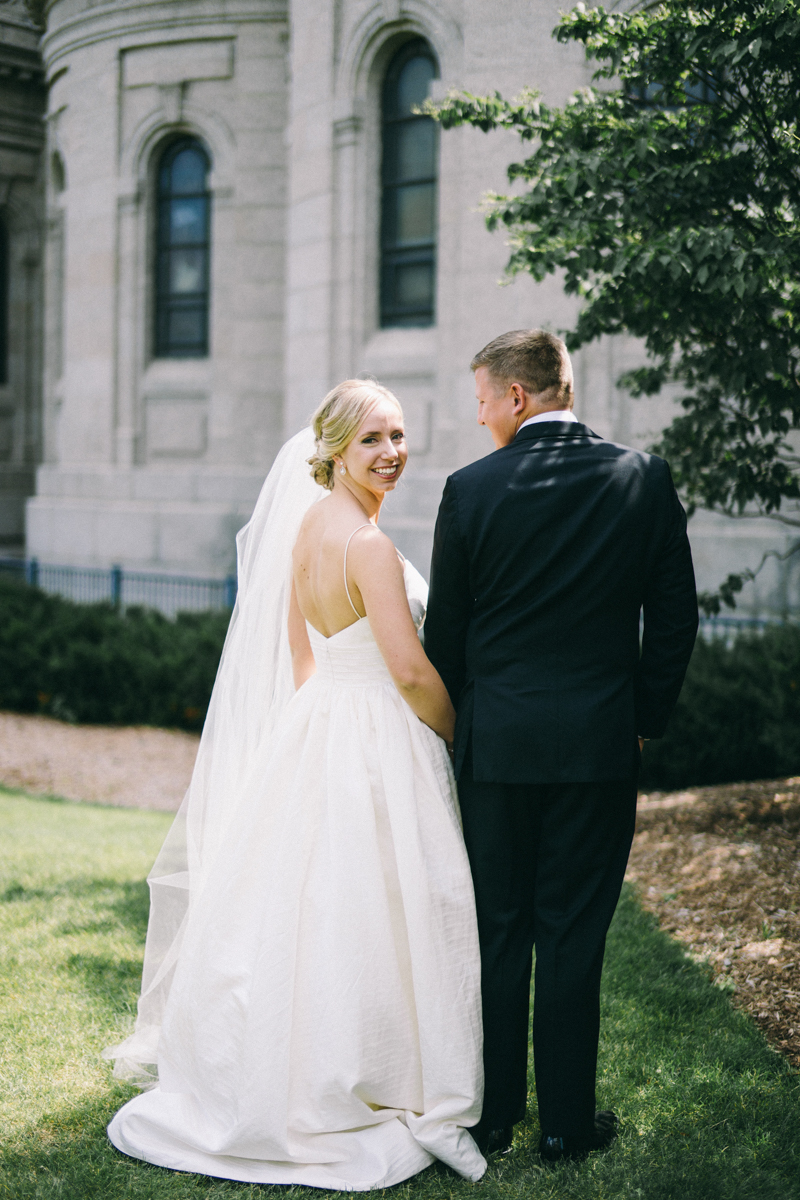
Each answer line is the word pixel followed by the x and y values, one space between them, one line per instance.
pixel 371 547
pixel 369 540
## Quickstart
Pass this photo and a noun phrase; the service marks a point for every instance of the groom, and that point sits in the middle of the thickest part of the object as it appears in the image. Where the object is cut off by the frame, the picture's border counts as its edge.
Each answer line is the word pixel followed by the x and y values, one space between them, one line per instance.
pixel 545 553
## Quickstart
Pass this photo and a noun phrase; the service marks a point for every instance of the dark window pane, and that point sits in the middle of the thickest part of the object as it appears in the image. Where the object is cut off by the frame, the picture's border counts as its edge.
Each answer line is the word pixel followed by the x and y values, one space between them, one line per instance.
pixel 415 153
pixel 414 285
pixel 415 214
pixel 188 221
pixel 187 327
pixel 162 274
pixel 413 84
pixel 189 172
pixel 699 91
pixel 696 91
pixel 408 287
pixel 182 252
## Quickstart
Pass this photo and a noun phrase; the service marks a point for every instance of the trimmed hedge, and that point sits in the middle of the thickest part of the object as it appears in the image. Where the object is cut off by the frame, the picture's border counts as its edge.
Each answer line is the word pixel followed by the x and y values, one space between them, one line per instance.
pixel 90 663
pixel 738 716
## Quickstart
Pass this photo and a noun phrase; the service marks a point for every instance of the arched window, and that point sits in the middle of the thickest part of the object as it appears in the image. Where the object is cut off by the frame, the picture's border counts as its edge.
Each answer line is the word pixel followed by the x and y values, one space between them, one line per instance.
pixel 182 252
pixel 408 177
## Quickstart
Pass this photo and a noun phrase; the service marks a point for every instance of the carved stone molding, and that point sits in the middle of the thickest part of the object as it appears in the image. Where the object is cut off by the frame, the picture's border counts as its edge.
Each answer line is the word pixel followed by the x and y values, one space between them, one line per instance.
pixel 116 19
pixel 346 130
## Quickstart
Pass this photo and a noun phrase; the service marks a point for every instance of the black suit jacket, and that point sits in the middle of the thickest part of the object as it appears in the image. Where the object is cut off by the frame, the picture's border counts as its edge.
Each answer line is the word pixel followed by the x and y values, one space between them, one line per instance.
pixel 544 555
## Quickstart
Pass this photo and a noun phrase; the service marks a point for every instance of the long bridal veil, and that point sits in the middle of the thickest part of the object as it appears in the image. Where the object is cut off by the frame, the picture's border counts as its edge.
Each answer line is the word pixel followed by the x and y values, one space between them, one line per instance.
pixel 253 684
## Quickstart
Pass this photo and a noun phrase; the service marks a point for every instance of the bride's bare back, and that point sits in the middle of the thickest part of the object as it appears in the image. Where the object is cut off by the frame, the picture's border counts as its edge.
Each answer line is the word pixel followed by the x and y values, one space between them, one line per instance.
pixel 319 561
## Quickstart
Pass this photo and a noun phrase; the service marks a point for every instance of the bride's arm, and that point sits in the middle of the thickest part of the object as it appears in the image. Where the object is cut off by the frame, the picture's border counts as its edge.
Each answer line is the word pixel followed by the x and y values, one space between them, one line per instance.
pixel 303 665
pixel 374 567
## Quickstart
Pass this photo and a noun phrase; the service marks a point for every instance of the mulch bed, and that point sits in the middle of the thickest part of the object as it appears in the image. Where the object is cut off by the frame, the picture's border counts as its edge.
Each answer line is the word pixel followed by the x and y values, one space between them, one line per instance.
pixel 720 868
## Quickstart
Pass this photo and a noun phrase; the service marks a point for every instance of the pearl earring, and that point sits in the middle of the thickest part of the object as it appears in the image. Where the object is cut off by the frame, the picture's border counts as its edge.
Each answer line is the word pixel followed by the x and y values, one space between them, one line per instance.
pixel 342 469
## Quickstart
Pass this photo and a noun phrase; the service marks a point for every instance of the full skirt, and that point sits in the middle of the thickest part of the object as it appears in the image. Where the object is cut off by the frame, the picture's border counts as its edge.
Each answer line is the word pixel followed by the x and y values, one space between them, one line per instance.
pixel 324 1026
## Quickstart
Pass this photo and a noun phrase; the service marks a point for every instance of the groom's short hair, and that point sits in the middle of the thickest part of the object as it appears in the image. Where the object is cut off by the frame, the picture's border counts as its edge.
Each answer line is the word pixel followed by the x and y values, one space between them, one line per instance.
pixel 536 359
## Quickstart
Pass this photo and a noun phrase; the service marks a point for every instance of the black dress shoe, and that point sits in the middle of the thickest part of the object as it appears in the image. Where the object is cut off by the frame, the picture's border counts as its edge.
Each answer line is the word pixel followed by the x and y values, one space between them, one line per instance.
pixel 493 1141
pixel 564 1149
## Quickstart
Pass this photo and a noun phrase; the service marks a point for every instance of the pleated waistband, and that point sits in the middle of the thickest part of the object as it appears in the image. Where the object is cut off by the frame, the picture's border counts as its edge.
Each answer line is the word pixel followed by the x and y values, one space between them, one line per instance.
pixel 361 666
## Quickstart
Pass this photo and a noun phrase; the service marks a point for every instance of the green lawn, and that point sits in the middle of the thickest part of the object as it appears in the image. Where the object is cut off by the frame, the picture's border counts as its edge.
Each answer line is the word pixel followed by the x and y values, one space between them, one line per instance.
pixel 708 1110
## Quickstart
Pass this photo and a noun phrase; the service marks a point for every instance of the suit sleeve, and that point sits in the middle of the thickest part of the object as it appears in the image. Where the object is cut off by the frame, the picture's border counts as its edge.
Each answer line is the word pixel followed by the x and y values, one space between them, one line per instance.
pixel 670 622
pixel 450 598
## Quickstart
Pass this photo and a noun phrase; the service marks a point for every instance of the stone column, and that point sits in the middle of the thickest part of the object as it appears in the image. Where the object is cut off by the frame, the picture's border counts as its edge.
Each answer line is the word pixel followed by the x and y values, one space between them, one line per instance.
pixel 310 245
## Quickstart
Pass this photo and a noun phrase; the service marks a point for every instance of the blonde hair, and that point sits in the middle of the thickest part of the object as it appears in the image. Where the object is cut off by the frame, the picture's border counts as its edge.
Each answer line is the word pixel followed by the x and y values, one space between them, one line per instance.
pixel 337 421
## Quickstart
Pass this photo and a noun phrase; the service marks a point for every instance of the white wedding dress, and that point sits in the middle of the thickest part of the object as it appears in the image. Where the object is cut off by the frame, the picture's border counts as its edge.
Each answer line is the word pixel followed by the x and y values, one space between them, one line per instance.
pixel 322 1023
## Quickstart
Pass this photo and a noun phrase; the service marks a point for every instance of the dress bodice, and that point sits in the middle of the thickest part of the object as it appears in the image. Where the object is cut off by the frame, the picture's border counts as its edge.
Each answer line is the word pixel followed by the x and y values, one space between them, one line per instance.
pixel 351 657
pixel 417 593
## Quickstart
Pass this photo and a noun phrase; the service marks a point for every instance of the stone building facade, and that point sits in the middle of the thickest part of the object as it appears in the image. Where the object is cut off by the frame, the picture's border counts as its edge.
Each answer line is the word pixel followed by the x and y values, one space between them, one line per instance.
pixel 237 208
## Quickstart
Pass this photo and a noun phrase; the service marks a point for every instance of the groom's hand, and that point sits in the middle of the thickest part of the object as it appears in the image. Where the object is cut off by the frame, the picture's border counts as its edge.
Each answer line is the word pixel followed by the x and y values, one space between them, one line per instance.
pixel 641 745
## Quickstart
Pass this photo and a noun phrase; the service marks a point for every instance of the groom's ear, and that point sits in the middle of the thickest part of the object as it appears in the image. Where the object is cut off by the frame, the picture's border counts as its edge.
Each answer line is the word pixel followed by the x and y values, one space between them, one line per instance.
pixel 520 396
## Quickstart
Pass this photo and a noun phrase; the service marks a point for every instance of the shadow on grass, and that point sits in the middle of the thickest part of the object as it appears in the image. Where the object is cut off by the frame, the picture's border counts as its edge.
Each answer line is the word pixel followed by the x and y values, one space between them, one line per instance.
pixel 112 982
pixel 127 903
pixel 671 998
pixel 108 979
pixel 132 907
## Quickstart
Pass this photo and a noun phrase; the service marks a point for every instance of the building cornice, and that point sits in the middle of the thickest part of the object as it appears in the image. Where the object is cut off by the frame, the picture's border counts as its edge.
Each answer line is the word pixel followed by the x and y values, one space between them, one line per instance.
pixel 118 19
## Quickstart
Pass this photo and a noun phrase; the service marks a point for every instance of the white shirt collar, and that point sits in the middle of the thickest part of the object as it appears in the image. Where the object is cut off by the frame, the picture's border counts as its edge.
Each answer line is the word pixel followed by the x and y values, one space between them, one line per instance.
pixel 558 414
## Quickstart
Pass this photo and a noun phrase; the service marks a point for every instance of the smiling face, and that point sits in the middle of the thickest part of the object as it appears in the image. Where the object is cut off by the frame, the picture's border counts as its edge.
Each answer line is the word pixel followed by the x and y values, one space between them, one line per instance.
pixel 376 456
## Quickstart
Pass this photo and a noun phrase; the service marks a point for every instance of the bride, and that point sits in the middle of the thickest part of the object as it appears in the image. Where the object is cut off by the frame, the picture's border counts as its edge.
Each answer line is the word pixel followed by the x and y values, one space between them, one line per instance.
pixel 310 1008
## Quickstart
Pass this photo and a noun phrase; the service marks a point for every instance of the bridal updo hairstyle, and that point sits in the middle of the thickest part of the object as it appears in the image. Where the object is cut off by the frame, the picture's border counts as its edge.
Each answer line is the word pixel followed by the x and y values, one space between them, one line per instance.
pixel 534 358
pixel 337 421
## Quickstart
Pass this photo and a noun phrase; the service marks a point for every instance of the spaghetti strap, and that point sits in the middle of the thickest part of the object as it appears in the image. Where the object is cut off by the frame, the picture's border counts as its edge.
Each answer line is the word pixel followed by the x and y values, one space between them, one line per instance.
pixel 346 588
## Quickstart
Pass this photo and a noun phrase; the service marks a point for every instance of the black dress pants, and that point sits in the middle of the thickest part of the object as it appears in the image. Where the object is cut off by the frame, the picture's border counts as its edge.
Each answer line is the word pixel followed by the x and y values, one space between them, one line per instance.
pixel 548 861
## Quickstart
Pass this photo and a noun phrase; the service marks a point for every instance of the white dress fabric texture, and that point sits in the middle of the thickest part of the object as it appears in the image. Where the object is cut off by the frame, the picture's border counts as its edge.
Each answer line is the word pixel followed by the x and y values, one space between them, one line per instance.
pixel 323 1025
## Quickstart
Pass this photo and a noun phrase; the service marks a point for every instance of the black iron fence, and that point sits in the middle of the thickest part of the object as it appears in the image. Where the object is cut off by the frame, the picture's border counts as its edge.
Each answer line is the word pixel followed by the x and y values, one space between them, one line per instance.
pixel 89 585
pixel 182 593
